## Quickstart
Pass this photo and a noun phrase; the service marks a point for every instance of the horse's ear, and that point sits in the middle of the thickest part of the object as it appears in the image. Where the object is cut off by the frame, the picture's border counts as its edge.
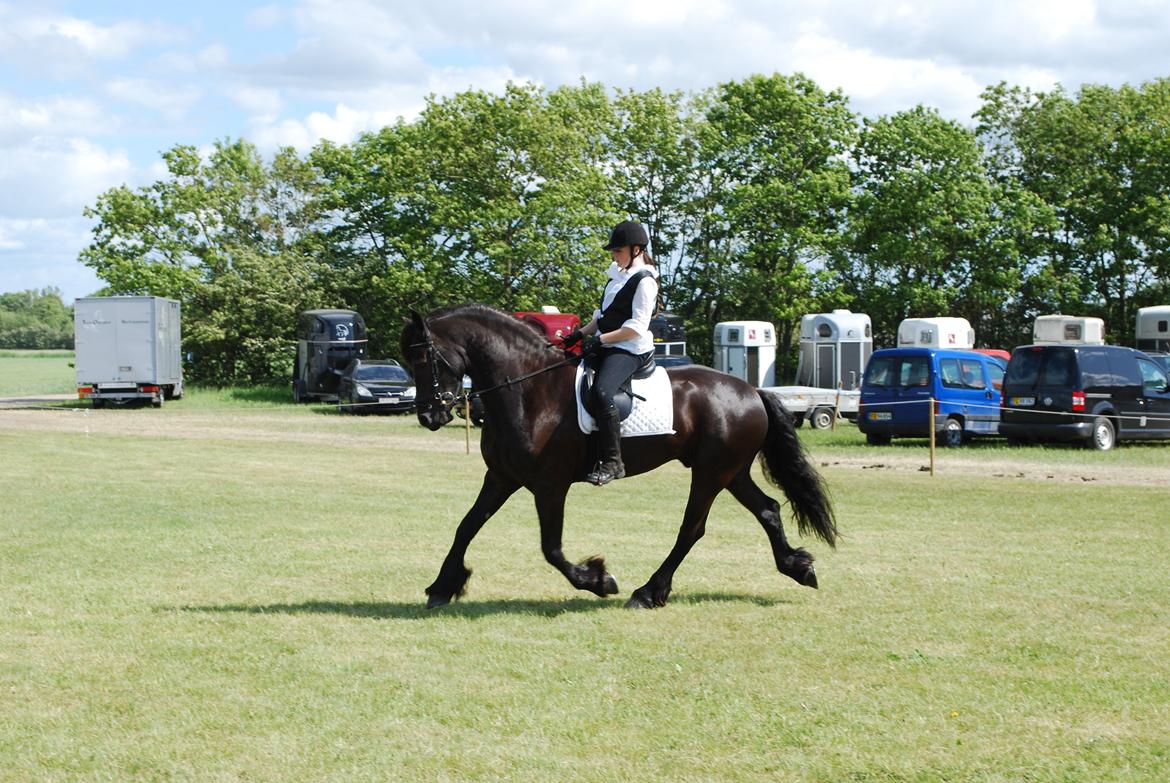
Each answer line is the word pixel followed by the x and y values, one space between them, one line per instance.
pixel 418 321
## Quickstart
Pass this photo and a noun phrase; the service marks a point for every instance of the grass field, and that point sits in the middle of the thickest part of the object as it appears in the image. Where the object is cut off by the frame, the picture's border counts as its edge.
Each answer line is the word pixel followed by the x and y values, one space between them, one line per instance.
pixel 36 372
pixel 230 588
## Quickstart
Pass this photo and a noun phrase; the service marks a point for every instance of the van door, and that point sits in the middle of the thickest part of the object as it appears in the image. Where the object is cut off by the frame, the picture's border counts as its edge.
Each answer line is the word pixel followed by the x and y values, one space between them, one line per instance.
pixel 1155 423
pixel 965 390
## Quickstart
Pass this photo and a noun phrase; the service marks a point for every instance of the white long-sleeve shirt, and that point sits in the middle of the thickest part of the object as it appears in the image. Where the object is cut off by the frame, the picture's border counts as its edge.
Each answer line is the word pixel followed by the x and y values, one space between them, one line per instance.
pixel 645 300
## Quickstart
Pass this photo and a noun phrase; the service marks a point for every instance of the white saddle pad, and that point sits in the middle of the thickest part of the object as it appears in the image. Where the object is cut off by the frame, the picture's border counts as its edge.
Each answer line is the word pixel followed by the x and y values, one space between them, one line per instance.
pixel 655 416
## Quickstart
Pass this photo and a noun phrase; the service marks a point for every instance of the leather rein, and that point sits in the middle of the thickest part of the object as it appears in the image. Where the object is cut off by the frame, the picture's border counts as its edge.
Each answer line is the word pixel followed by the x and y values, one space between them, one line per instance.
pixel 446 400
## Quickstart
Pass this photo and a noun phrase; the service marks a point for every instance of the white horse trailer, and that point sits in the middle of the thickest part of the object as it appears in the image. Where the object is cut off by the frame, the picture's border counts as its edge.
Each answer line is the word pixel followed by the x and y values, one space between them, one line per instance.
pixel 127 348
pixel 936 333
pixel 1153 328
pixel 1068 330
pixel 834 348
pixel 747 350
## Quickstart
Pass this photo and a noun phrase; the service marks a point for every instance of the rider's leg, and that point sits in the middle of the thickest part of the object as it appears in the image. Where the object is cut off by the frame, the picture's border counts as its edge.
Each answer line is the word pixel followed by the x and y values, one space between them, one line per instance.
pixel 616 368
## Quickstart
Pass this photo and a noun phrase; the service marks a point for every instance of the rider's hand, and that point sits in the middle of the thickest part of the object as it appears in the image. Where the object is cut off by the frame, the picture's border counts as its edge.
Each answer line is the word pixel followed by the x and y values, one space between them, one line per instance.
pixel 571 339
pixel 591 345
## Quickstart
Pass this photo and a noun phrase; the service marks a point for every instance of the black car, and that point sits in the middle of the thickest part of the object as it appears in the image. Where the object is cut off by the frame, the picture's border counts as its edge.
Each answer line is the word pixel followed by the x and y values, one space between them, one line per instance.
pixel 1096 394
pixel 1163 359
pixel 672 361
pixel 376 387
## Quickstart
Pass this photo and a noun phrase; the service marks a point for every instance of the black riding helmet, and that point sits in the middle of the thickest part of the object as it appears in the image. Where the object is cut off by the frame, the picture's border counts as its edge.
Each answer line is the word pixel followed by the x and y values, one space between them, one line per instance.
pixel 627 233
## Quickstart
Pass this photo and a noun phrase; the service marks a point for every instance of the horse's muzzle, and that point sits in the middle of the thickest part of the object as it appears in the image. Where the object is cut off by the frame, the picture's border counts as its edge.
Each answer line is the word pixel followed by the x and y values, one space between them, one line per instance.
pixel 434 420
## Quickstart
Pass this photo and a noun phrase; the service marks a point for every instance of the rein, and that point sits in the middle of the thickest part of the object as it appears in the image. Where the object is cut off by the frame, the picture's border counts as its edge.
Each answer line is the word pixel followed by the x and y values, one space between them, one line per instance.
pixel 447 399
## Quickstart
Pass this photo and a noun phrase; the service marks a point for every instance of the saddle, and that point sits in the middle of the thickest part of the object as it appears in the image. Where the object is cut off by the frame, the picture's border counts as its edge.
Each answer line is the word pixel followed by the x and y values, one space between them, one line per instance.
pixel 645 404
pixel 624 399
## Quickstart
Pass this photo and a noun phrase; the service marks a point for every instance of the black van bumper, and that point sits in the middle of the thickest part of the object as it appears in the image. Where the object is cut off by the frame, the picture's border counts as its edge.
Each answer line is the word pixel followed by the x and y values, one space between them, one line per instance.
pixel 1063 431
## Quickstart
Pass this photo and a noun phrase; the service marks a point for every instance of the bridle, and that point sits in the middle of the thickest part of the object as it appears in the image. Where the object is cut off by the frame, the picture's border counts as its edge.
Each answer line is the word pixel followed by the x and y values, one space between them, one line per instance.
pixel 446 400
pixel 440 398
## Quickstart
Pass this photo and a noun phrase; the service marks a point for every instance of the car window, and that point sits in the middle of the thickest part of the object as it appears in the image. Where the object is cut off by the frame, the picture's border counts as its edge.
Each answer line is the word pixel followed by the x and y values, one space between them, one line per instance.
pixel 381 372
pixel 996 372
pixel 948 370
pixel 961 373
pixel 1024 367
pixel 880 371
pixel 1060 369
pixel 1153 379
pixel 915 371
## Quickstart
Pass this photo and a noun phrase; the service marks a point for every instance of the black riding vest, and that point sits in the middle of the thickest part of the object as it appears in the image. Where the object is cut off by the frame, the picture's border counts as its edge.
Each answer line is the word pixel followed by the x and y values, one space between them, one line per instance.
pixel 621 309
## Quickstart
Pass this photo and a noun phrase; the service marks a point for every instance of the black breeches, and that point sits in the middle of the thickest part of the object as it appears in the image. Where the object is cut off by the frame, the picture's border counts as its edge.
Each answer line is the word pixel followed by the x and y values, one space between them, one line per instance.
pixel 616 367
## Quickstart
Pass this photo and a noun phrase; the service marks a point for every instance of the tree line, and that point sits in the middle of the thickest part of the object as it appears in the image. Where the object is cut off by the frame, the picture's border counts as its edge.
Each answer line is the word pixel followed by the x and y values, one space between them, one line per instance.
pixel 765 199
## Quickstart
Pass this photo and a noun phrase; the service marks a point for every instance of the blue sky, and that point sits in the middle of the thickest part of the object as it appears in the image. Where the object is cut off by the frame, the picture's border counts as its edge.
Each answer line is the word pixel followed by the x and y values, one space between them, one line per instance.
pixel 91 92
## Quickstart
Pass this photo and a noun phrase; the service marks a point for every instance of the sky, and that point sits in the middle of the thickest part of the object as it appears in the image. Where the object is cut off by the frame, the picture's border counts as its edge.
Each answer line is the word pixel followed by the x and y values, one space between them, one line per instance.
pixel 92 92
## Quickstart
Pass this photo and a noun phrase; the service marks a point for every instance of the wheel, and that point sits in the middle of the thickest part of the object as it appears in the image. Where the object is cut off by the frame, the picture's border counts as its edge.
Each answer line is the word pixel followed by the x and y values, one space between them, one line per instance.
pixel 1103 437
pixel 873 439
pixel 99 403
pixel 157 403
pixel 952 434
pixel 821 418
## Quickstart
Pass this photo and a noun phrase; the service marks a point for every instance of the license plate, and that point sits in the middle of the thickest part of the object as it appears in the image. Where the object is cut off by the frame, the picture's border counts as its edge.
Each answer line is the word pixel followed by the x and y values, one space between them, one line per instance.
pixel 1023 402
pixel 880 416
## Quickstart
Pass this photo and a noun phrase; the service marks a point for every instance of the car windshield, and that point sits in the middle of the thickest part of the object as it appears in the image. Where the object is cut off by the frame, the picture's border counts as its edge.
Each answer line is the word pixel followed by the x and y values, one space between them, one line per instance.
pixel 381 372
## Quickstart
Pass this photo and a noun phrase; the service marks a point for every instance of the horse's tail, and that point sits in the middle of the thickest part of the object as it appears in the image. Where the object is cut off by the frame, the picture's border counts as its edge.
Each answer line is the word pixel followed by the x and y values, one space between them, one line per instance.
pixel 786 465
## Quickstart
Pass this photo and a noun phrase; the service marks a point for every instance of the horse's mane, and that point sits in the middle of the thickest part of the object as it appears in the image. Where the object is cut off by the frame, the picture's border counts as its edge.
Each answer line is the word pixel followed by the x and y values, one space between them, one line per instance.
pixel 496 321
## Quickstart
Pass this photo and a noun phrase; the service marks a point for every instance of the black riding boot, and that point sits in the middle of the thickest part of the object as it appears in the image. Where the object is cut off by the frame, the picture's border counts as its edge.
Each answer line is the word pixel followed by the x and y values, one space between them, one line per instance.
pixel 609 432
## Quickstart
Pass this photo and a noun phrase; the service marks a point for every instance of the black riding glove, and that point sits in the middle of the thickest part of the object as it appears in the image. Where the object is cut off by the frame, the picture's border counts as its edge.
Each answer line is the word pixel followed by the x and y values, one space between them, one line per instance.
pixel 591 346
pixel 571 339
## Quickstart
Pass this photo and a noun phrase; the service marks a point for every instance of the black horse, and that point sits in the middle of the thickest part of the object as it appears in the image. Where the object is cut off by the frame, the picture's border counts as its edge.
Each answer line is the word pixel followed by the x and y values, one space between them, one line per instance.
pixel 531 439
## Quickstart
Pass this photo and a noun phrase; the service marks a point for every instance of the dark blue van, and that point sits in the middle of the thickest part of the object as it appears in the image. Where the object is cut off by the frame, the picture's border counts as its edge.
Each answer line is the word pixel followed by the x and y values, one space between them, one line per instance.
pixel 899 384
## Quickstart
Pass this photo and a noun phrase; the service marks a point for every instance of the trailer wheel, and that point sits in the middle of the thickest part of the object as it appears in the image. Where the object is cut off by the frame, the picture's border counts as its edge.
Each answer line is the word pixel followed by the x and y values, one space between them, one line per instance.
pixel 98 403
pixel 157 403
pixel 875 439
pixel 821 418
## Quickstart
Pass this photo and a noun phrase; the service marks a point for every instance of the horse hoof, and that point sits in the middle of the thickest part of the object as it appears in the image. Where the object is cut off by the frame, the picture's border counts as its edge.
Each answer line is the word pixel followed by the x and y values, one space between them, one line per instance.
pixel 435 601
pixel 609 586
pixel 636 602
pixel 810 578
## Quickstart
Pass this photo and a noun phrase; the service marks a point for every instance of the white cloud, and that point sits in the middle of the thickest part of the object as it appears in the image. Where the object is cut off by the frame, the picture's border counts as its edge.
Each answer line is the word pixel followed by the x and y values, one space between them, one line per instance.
pixel 51 177
pixel 60 45
pixel 21 120
pixel 166 99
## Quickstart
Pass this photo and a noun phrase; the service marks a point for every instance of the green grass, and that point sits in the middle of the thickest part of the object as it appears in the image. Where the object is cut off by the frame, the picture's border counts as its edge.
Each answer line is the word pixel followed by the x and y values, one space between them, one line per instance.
pixel 230 588
pixel 36 372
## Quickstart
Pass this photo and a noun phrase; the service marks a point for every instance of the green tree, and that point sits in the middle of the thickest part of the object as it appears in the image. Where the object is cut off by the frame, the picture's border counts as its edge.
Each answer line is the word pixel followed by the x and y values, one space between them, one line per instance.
pixel 773 149
pixel 930 233
pixel 35 319
pixel 225 235
pixel 1099 160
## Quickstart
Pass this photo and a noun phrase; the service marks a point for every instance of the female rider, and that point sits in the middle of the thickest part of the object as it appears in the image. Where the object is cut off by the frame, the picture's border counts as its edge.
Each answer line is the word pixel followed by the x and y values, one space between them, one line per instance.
pixel 618 341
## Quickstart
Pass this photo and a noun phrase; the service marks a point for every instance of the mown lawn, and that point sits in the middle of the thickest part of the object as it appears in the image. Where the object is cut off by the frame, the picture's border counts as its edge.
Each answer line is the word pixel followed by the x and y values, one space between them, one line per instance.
pixel 230 588
pixel 36 372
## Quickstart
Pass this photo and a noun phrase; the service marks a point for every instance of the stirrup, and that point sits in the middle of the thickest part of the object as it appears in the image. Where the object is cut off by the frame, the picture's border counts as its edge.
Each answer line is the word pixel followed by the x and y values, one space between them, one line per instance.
pixel 605 472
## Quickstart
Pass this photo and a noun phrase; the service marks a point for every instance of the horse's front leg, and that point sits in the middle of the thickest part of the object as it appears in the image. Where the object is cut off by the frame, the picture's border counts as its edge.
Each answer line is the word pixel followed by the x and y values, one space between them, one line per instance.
pixel 453 575
pixel 588 575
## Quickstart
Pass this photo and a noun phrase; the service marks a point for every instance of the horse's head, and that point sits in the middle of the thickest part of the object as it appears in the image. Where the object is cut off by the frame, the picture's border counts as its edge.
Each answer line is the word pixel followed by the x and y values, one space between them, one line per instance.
pixel 438 371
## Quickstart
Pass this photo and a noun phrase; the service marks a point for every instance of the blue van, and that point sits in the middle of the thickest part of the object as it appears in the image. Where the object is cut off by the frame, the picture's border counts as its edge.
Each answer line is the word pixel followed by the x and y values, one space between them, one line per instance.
pixel 900 382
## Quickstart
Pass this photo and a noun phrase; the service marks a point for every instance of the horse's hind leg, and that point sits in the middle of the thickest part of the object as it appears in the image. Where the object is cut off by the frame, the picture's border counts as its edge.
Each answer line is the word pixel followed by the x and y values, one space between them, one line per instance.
pixel 589 575
pixel 453 575
pixel 657 590
pixel 796 563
